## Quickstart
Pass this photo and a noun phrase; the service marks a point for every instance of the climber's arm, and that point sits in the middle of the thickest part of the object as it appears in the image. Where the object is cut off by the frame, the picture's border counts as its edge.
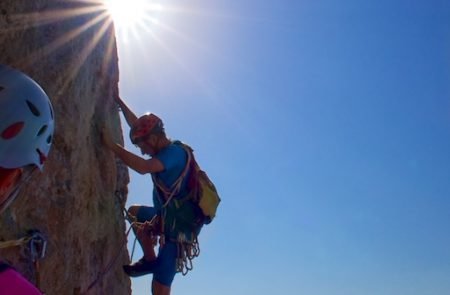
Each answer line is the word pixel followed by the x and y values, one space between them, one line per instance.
pixel 130 117
pixel 138 164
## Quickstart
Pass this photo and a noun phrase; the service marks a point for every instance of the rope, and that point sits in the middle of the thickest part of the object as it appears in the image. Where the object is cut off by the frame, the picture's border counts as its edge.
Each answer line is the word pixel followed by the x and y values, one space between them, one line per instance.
pixel 134 247
pixel 14 243
pixel 114 260
pixel 187 249
pixel 132 219
pixel 37 245
pixel 26 175
pixel 176 186
pixel 111 264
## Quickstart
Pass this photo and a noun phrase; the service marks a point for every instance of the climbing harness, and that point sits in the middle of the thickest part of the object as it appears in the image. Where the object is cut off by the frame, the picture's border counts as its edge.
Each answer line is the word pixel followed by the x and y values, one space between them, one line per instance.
pixel 36 244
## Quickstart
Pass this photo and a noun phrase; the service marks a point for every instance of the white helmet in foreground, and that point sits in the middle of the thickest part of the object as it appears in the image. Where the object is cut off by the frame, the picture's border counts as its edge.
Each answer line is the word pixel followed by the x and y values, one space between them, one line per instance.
pixel 26 120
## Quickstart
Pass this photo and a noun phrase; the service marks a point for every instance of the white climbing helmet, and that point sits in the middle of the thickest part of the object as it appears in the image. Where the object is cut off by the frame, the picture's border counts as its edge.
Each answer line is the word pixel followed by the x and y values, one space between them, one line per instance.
pixel 26 120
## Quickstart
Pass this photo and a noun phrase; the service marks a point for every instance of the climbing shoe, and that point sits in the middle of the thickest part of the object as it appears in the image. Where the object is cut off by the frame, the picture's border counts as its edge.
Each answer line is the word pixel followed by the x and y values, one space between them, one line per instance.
pixel 139 268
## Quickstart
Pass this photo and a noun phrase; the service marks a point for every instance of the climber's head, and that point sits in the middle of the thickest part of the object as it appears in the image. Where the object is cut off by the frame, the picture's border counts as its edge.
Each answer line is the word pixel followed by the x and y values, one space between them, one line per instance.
pixel 144 127
pixel 26 121
pixel 147 132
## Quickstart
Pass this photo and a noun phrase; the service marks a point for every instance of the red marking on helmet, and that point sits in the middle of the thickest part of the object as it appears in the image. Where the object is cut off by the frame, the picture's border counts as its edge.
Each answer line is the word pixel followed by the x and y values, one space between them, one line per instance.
pixel 12 130
pixel 42 157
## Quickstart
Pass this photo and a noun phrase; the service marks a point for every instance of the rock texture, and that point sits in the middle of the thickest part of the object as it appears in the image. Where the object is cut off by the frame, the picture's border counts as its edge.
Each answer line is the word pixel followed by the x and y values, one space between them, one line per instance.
pixel 69 48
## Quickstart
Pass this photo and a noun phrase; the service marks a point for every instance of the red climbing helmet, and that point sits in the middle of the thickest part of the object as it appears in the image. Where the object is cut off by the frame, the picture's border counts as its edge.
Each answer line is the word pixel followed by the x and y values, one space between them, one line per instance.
pixel 26 120
pixel 145 126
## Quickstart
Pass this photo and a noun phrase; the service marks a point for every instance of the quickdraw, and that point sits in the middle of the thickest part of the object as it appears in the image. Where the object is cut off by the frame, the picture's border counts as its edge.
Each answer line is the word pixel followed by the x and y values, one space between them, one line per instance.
pixel 36 244
pixel 38 247
pixel 187 251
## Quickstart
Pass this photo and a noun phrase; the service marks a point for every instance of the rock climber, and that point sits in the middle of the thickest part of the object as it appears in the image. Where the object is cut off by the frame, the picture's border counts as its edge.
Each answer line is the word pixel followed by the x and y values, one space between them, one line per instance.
pixel 168 164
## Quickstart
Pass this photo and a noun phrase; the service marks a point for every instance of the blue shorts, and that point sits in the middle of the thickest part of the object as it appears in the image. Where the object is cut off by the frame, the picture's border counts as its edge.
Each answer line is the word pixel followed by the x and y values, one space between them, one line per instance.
pixel 164 268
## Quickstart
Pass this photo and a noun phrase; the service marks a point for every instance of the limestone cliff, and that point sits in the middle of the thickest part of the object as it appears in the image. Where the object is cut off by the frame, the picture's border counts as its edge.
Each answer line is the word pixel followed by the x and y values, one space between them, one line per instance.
pixel 68 47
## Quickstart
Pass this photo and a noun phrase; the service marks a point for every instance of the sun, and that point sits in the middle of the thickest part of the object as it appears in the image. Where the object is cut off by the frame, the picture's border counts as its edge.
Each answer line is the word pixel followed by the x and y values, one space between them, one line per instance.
pixel 126 13
pixel 132 15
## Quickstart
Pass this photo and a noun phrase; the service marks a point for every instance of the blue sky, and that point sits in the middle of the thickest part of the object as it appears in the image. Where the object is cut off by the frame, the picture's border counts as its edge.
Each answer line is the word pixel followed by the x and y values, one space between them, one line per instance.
pixel 326 127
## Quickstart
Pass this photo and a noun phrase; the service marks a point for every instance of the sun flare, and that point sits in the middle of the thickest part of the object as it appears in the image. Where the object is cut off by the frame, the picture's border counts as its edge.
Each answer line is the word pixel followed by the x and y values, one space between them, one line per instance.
pixel 126 13
pixel 132 15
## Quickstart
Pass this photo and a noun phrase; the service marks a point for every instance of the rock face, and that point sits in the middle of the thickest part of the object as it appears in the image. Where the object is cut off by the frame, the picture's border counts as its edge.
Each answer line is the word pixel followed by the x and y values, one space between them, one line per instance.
pixel 68 47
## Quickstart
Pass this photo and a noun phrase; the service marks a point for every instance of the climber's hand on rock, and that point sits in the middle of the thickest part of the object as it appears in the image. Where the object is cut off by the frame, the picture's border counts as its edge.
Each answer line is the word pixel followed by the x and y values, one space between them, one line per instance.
pixel 107 138
pixel 119 100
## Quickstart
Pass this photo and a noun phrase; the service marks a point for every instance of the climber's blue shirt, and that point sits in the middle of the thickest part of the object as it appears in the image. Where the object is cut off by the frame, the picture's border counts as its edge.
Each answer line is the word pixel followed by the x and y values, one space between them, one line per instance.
pixel 174 159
